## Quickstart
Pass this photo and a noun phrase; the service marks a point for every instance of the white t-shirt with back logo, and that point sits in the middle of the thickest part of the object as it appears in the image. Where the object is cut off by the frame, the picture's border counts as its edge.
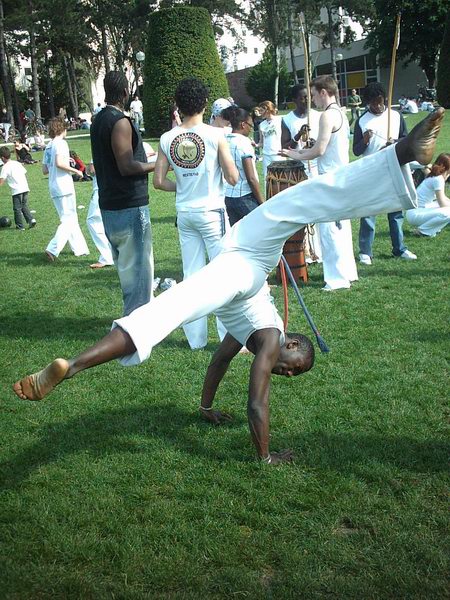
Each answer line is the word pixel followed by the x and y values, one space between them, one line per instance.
pixel 241 148
pixel 60 182
pixel 271 130
pixel 15 175
pixel 194 156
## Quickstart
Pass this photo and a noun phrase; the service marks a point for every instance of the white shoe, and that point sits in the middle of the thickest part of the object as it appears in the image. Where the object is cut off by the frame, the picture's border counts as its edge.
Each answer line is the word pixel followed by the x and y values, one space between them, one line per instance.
pixel 407 255
pixel 365 259
pixel 156 283
pixel 167 283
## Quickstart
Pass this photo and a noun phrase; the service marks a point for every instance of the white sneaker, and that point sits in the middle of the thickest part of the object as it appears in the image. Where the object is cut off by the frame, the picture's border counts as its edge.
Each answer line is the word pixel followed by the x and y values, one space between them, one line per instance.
pixel 365 259
pixel 167 283
pixel 156 283
pixel 407 255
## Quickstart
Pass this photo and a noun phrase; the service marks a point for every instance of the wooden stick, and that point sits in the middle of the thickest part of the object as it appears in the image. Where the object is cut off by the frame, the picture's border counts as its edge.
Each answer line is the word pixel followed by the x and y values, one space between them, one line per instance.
pixel 306 70
pixel 392 73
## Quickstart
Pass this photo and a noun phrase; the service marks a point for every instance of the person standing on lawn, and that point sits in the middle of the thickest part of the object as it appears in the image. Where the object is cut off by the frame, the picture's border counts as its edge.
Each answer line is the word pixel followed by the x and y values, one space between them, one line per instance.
pixel 15 175
pixel 122 174
pixel 234 284
pixel 371 130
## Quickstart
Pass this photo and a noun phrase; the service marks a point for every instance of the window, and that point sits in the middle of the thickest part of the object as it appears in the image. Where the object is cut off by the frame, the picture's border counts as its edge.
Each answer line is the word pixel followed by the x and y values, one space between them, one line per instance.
pixel 255 50
pixel 245 49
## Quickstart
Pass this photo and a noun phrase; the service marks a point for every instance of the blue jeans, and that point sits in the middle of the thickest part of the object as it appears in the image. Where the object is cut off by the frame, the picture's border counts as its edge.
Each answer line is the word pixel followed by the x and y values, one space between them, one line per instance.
pixel 367 233
pixel 130 235
pixel 239 207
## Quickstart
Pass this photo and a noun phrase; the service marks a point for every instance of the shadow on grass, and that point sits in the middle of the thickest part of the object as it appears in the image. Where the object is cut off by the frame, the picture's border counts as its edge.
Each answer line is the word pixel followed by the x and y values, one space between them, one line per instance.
pixel 105 431
pixel 170 219
pixel 43 325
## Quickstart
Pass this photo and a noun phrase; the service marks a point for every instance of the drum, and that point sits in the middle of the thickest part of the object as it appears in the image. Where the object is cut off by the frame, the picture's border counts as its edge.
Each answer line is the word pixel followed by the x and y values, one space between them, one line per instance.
pixel 281 175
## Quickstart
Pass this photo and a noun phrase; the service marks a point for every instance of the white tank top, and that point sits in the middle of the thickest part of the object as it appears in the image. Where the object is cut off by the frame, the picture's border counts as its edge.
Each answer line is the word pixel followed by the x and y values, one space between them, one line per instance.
pixel 337 152
pixel 194 156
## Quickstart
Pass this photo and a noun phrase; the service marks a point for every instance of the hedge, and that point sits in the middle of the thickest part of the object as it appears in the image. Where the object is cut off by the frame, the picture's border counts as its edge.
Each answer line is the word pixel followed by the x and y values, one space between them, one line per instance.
pixel 443 70
pixel 180 44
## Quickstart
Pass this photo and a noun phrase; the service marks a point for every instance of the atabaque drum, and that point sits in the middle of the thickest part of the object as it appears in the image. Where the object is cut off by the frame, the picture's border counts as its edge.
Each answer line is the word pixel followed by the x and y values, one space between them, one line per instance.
pixel 281 175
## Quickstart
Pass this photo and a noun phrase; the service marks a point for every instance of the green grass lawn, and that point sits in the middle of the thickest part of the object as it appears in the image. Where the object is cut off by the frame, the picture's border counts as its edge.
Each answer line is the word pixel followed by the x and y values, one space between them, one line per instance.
pixel 114 488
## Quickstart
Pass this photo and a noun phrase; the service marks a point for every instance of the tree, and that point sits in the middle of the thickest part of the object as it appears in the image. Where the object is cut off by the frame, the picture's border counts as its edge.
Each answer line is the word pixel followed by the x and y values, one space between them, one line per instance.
pixel 443 71
pixel 422 30
pixel 180 44
pixel 260 81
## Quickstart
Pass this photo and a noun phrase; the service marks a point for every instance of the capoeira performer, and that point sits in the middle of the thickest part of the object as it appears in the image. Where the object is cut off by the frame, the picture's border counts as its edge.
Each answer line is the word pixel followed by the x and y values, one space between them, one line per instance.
pixel 331 150
pixel 234 283
pixel 198 154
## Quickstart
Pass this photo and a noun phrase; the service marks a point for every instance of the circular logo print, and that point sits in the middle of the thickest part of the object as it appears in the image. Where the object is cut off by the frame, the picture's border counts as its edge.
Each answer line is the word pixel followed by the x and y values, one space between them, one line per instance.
pixel 187 150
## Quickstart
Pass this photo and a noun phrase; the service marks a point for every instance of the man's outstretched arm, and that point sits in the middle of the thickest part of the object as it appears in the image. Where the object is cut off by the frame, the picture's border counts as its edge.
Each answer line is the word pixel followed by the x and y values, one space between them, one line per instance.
pixel 217 368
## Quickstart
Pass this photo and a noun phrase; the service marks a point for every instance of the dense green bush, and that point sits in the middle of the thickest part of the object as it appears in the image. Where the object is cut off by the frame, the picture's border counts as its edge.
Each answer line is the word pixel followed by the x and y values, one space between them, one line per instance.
pixel 260 83
pixel 443 71
pixel 180 44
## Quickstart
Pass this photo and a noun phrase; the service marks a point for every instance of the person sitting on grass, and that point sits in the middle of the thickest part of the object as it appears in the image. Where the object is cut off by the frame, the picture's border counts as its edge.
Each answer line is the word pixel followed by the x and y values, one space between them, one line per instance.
pixel 78 164
pixel 23 152
pixel 15 176
pixel 433 212
pixel 233 285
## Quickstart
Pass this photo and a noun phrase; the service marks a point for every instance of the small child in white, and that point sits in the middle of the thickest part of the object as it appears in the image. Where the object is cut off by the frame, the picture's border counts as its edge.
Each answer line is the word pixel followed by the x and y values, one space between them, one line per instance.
pixel 15 176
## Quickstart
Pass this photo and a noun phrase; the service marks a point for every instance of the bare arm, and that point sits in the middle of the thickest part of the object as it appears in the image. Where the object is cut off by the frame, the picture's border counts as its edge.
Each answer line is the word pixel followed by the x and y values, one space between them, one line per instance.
pixel 443 200
pixel 122 147
pixel 217 368
pixel 286 138
pixel 226 162
pixel 252 178
pixel 326 125
pixel 160 181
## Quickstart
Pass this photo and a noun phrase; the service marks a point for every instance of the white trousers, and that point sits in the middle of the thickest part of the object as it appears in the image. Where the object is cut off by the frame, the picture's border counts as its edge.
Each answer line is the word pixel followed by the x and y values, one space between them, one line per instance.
pixel 200 234
pixel 339 266
pixel 68 229
pixel 429 221
pixel 97 230
pixel 373 185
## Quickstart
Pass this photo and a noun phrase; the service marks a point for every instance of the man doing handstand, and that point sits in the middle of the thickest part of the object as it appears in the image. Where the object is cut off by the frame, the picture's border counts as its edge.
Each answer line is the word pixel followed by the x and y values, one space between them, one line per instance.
pixel 233 284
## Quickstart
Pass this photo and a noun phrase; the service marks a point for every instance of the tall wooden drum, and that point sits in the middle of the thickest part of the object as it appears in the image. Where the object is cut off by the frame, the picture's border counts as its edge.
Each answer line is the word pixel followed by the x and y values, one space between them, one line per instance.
pixel 281 175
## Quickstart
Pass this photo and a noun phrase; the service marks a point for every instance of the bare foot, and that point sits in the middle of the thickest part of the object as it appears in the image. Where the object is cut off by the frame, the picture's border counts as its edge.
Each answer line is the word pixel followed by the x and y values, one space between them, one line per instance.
pixel 419 145
pixel 38 385
pixel 98 265
pixel 50 257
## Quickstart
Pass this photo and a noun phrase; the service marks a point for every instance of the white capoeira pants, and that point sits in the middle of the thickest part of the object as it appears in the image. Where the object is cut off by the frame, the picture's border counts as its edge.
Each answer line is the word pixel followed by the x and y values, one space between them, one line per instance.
pixel 339 266
pixel 252 248
pixel 68 229
pixel 431 220
pixel 200 234
pixel 97 230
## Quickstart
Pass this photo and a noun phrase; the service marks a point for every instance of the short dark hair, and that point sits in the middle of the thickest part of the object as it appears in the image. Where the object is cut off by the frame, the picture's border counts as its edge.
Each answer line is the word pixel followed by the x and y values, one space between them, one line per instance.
pixel 373 90
pixel 114 83
pixel 191 96
pixel 327 83
pixel 296 89
pixel 5 152
pixel 306 348
pixel 235 115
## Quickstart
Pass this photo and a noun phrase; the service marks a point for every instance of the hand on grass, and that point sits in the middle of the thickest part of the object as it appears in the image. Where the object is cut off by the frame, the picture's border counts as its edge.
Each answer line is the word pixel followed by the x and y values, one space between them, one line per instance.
pixel 216 417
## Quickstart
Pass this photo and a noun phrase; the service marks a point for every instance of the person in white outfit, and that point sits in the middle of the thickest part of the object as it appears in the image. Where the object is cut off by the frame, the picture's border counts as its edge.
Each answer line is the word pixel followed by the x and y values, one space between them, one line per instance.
pixel 95 225
pixel 234 284
pixel 270 134
pixel 332 151
pixel 56 165
pixel 433 211
pixel 198 153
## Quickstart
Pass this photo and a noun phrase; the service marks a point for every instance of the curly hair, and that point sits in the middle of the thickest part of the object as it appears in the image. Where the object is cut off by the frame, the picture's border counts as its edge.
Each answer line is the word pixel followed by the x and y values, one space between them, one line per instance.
pixel 235 116
pixel 56 126
pixel 304 347
pixel 373 90
pixel 191 96
pixel 296 89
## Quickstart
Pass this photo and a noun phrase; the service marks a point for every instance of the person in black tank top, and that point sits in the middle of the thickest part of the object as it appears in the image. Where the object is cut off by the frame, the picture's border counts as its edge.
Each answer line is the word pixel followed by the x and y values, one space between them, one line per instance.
pixel 122 175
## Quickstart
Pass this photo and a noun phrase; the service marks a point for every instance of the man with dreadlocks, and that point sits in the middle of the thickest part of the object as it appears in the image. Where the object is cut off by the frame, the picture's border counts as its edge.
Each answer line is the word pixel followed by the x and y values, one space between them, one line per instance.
pixel 233 284
pixel 122 175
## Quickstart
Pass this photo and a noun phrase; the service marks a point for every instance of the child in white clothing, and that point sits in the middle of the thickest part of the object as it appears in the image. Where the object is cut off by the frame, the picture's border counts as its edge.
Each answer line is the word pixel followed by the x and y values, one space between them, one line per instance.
pixel 15 176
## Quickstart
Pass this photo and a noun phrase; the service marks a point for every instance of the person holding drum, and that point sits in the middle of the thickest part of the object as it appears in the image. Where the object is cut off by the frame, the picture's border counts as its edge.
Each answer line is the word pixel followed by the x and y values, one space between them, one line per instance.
pixel 332 151
pixel 270 134
pixel 245 195
pixel 234 284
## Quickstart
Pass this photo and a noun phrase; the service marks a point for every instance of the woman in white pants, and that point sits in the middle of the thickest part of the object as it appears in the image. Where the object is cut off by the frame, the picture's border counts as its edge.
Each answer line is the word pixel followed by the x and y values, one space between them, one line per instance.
pixel 96 228
pixel 56 165
pixel 433 212
pixel 270 132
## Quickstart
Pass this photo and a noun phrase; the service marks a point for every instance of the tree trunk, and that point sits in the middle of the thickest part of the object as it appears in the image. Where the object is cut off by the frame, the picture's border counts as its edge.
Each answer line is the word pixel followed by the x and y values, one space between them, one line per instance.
pixel 76 86
pixel 331 41
pixel 4 75
pixel 72 103
pixel 428 64
pixel 15 100
pixel 73 79
pixel 34 65
pixel 51 99
pixel 277 74
pixel 105 50
pixel 291 49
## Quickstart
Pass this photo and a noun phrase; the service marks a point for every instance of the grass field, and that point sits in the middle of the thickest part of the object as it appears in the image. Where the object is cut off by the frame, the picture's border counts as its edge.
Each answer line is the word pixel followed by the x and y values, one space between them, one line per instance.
pixel 114 488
